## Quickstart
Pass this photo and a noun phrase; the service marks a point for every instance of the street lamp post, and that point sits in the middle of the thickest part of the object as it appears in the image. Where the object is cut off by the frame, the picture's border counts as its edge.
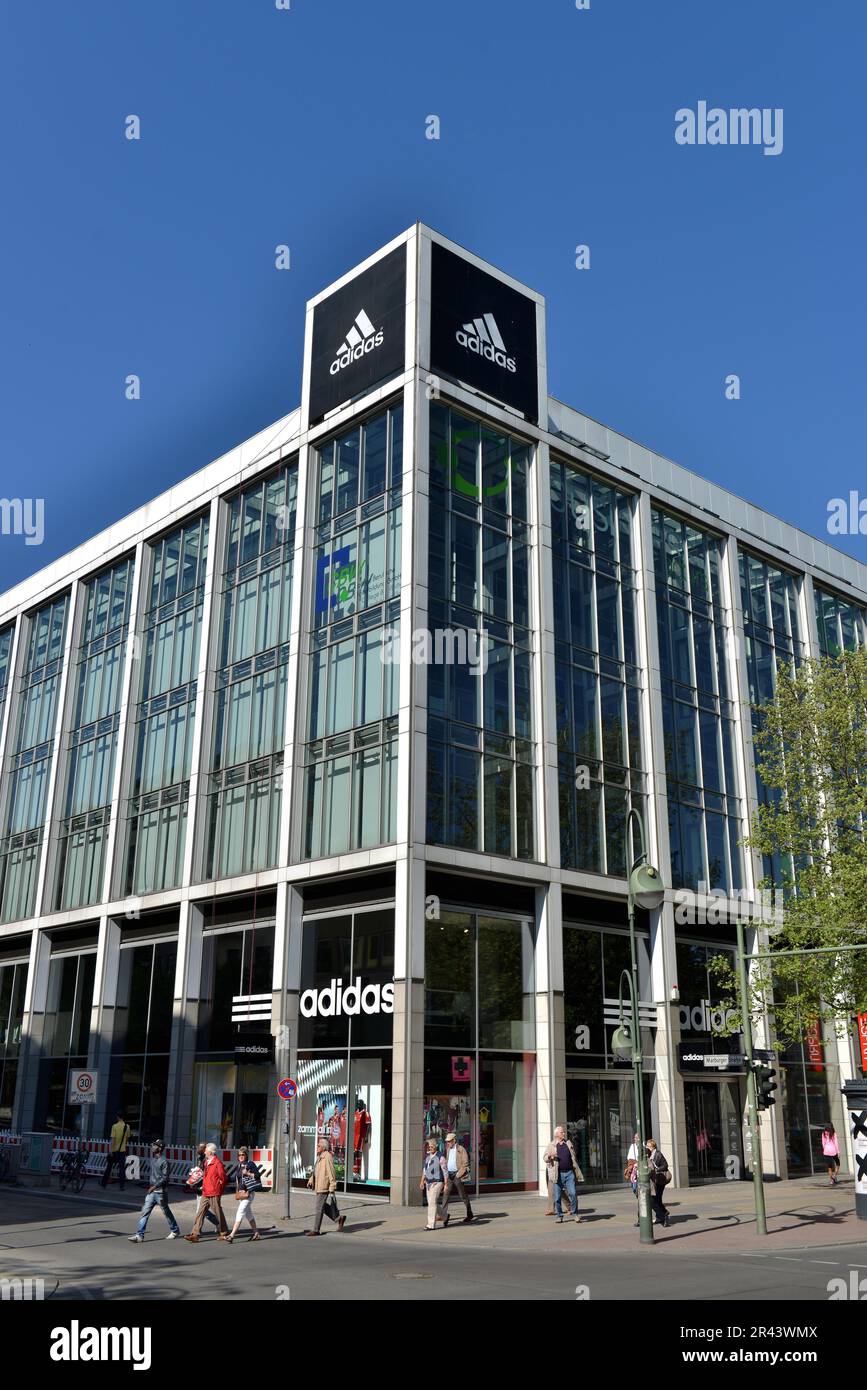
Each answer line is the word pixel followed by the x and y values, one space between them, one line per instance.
pixel 644 888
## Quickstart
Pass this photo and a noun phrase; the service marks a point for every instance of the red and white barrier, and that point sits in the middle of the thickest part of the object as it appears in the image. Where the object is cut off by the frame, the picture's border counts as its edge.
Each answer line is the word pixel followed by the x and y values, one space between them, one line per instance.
pixel 181 1158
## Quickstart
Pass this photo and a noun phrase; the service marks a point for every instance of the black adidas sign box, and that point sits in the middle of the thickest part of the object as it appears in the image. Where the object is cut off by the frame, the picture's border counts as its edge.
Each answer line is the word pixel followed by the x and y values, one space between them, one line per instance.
pixel 359 335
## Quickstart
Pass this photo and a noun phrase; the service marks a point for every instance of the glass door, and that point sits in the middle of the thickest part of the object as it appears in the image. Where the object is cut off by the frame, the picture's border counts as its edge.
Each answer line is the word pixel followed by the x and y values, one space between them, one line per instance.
pixel 713 1129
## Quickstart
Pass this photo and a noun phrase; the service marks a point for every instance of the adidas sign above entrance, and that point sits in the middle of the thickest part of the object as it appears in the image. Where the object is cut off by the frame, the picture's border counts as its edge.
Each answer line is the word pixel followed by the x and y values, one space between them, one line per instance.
pixel 352 999
pixel 361 339
pixel 482 336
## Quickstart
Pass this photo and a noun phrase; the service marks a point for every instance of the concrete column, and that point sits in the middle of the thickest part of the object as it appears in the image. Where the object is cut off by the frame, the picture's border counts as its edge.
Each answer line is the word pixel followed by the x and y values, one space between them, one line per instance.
pixel 286 985
pixel 550 1021
pixel 668 1099
pixel 32 1029
pixel 185 1019
pixel 102 1016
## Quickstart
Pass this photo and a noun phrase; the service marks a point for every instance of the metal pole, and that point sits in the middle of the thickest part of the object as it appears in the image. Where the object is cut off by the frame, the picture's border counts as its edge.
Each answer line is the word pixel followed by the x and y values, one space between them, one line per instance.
pixel 645 1217
pixel 287 1201
pixel 755 1137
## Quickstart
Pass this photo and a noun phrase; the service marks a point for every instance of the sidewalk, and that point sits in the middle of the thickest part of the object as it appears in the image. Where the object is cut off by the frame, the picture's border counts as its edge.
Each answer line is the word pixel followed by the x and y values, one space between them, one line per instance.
pixel 719 1218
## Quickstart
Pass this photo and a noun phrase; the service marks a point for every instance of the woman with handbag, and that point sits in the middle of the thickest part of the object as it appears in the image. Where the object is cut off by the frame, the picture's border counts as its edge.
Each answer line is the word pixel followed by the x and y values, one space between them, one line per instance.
pixel 660 1176
pixel 248 1180
pixel 630 1172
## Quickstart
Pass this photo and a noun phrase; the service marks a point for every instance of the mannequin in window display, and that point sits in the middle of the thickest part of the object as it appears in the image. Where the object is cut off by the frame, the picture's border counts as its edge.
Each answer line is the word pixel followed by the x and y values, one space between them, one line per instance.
pixel 361 1139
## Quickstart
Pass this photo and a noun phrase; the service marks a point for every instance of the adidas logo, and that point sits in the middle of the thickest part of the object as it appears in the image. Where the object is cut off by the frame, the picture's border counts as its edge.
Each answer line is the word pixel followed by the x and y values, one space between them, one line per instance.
pixel 361 338
pixel 484 337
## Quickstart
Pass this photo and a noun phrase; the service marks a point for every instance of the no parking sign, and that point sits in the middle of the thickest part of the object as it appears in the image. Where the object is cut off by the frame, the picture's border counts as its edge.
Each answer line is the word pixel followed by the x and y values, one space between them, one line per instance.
pixel 287 1089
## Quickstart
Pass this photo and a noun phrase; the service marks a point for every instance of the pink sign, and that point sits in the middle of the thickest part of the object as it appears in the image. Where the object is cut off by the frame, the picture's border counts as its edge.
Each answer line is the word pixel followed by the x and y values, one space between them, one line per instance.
pixel 462 1068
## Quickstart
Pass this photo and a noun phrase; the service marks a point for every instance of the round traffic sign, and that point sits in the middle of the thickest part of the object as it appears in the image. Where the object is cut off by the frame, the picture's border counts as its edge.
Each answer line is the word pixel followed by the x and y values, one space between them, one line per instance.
pixel 287 1089
pixel 84 1082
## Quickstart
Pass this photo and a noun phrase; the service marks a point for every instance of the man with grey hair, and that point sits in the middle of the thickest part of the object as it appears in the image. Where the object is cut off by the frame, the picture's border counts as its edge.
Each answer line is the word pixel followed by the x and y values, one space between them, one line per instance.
pixel 213 1183
pixel 323 1180
pixel 563 1173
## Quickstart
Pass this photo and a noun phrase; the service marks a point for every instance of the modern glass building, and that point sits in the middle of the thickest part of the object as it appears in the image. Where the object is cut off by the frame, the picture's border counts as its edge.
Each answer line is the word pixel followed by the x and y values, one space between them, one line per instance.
pixel 320 765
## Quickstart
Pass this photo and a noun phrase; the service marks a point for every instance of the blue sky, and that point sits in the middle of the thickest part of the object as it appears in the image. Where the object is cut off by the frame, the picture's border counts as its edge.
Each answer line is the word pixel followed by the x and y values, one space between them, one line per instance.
pixel 306 127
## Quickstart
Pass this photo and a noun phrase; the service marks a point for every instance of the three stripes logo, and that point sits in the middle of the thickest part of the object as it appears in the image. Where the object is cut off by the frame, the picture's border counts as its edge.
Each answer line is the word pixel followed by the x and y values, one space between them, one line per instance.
pixel 361 339
pixel 483 337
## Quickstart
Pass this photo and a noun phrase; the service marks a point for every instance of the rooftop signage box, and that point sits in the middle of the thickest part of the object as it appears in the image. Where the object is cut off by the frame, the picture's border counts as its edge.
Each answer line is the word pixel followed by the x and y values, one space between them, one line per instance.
pixel 483 332
pixel 359 334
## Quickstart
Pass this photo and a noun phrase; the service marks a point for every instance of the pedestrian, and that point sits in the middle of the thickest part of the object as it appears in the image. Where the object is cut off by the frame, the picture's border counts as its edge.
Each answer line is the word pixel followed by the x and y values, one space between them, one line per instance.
pixel 831 1150
pixel 433 1180
pixel 457 1175
pixel 630 1172
pixel 248 1180
pixel 117 1152
pixel 195 1180
pixel 563 1173
pixel 213 1183
pixel 660 1176
pixel 323 1180
pixel 157 1195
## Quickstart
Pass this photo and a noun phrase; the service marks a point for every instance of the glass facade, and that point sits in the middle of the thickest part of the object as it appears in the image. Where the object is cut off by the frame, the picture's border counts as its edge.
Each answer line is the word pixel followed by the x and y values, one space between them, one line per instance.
pixel 842 624
pixel 6 639
pixel 597 675
pixel 13 982
pixel 166 711
pixel 480 1039
pixel 481 752
pixel 230 1092
pixel 354 626
pixel 141 1042
pixel 345 1040
pixel 772 636
pixel 66 1030
pixel 245 784
pixel 83 829
pixel 698 712
pixel 29 766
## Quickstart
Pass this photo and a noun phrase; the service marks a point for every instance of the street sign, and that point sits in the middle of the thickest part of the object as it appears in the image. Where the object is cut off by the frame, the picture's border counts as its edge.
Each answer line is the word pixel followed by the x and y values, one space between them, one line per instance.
pixel 82 1087
pixel 462 1068
pixel 287 1089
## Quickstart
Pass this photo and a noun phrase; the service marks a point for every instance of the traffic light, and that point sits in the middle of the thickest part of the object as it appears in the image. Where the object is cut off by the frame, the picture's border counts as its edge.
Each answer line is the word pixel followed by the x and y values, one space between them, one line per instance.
pixel 765 1085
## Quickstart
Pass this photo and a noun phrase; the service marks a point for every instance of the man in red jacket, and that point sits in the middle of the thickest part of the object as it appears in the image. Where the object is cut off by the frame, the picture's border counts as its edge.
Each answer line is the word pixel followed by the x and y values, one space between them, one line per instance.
pixel 212 1190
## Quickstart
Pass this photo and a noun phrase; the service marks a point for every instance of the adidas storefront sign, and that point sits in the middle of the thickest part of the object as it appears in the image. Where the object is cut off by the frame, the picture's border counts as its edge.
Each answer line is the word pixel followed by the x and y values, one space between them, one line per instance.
pixel 351 1000
pixel 361 339
pixel 483 337
pixel 703 1019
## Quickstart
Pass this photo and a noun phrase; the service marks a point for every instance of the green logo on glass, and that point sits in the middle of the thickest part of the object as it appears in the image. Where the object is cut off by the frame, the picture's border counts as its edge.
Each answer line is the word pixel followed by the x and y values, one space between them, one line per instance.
pixel 451 464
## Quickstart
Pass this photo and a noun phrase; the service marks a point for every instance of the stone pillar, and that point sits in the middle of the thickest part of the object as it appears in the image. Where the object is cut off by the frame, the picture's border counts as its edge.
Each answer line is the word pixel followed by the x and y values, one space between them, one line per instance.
pixel 102 1023
pixel 32 1029
pixel 185 1019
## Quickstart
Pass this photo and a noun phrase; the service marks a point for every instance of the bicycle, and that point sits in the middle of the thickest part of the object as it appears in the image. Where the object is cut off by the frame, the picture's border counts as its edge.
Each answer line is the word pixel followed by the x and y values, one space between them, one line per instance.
pixel 72 1172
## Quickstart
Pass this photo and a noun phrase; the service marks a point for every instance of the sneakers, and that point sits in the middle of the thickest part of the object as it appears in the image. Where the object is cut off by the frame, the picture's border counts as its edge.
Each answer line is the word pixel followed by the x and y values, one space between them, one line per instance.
pixel 136 1240
pixel 173 1235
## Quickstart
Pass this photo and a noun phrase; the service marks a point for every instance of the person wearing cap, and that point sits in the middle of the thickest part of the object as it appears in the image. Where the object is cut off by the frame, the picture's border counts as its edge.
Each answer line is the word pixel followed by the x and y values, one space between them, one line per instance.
pixel 157 1195
pixel 456 1175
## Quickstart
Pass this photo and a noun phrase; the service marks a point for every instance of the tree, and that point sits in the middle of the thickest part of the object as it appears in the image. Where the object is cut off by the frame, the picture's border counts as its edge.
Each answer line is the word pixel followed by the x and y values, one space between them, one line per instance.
pixel 811 757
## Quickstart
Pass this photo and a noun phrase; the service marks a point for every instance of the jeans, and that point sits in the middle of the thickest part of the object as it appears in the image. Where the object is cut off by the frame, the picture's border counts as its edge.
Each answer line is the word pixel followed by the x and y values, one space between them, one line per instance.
pixel 160 1199
pixel 565 1182
pixel 120 1160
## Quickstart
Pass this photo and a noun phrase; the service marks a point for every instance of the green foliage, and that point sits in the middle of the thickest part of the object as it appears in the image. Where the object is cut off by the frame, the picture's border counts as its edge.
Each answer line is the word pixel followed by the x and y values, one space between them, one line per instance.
pixel 811 755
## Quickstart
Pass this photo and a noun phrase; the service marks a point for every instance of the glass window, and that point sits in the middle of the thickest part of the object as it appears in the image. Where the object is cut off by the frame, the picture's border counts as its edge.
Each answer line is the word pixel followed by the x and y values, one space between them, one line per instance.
pixel 480 745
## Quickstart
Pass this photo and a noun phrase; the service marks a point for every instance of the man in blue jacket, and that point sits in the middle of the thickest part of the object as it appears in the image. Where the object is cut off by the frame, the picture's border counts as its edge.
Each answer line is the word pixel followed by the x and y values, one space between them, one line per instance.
pixel 157 1195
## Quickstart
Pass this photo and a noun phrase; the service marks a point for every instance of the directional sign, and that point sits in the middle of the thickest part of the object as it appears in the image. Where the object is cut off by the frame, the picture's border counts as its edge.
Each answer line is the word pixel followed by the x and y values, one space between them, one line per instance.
pixel 287 1089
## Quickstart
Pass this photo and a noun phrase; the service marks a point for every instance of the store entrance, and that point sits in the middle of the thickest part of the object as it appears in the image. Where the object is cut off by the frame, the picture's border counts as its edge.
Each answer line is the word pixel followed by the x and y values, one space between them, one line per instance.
pixel 230 1104
pixel 713 1130
pixel 600 1121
